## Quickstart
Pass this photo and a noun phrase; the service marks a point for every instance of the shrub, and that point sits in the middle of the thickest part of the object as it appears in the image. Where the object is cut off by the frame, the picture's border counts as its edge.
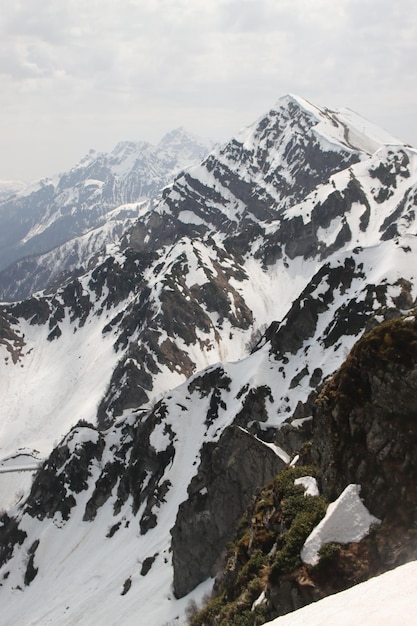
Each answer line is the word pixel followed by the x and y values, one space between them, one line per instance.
pixel 281 518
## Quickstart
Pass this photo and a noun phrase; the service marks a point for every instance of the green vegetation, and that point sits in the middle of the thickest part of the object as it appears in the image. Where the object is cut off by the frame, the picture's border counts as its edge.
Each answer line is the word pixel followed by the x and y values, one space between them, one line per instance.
pixel 391 344
pixel 266 546
pixel 327 554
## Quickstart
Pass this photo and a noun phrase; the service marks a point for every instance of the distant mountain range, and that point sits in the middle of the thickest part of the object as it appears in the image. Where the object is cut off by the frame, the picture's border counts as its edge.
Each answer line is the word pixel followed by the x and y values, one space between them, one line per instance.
pixel 56 225
pixel 170 368
pixel 9 188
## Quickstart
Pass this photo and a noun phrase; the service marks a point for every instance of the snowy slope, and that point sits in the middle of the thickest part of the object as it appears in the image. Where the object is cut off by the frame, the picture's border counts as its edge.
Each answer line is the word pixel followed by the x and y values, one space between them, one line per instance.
pixel 99 580
pixel 290 238
pixel 233 272
pixel 389 599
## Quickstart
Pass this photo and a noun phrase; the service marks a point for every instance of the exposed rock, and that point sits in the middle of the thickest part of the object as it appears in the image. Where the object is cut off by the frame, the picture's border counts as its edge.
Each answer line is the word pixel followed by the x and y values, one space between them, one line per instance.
pixel 65 472
pixel 300 323
pixel 365 427
pixel 10 535
pixel 263 576
pixel 290 595
pixel 140 464
pixel 31 570
pixel 292 436
pixel 230 473
pixel 147 564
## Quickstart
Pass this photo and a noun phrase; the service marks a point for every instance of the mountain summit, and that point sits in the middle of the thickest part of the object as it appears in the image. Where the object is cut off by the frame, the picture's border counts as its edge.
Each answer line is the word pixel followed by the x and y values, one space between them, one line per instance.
pixel 163 385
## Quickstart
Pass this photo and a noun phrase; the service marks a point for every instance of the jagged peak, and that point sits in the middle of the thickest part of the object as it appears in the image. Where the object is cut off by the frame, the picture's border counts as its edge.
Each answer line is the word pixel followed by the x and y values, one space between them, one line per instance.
pixel 126 148
pixel 180 136
pixel 180 132
pixel 291 98
pixel 342 126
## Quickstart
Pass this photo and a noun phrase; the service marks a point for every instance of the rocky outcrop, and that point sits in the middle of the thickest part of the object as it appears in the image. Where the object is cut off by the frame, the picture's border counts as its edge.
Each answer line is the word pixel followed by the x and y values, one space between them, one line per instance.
pixel 294 434
pixel 365 427
pixel 230 473
pixel 65 474
pixel 263 576
pixel 364 432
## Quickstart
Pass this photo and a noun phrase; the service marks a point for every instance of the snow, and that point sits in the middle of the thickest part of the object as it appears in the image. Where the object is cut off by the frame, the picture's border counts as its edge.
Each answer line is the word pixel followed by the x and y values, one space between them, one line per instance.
pixel 345 127
pixel 189 217
pixel 386 600
pixel 54 384
pixel 9 188
pixel 20 468
pixel 270 294
pixel 278 451
pixel 310 485
pixel 364 134
pixel 159 438
pixel 346 520
pixel 58 382
pixel 259 601
pixel 297 423
pixel 13 486
pixel 93 182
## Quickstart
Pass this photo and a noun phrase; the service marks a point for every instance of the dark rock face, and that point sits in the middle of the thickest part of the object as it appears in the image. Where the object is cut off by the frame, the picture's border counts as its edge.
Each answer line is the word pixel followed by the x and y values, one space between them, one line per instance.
pixel 31 570
pixel 364 431
pixel 291 437
pixel 230 473
pixel 290 595
pixel 10 536
pixel 300 323
pixel 65 472
pixel 365 427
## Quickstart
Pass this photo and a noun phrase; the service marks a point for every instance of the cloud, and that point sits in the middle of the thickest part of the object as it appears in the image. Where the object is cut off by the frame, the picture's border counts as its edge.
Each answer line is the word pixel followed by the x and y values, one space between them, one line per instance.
pixel 106 70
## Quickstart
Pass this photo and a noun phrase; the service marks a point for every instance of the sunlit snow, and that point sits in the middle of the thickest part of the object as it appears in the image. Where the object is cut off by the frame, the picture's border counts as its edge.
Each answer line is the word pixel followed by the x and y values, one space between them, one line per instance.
pixel 346 520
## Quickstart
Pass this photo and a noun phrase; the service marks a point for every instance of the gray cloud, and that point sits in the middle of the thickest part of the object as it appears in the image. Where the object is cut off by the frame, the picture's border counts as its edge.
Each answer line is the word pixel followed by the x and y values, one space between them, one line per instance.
pixel 76 75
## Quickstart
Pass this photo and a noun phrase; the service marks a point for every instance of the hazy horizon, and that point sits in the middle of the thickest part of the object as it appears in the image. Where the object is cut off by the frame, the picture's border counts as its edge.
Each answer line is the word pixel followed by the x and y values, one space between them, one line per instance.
pixel 78 76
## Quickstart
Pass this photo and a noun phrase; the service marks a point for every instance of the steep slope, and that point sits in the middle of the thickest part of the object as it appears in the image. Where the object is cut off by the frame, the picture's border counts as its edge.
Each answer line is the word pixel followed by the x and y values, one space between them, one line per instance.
pixel 56 225
pixel 363 442
pixel 389 599
pixel 292 238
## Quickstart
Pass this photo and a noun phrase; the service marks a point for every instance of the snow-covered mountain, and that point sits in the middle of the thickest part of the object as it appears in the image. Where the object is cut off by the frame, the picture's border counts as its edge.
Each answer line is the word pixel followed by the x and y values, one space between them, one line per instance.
pixel 9 188
pixel 225 306
pixel 57 225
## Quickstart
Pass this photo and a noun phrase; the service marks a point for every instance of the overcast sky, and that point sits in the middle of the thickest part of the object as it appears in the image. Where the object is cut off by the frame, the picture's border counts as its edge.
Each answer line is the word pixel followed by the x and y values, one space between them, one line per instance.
pixel 81 74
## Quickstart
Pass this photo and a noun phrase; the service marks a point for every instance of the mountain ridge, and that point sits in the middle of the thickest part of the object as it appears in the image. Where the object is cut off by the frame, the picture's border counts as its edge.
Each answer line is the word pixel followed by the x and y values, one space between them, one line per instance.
pixel 57 225
pixel 227 305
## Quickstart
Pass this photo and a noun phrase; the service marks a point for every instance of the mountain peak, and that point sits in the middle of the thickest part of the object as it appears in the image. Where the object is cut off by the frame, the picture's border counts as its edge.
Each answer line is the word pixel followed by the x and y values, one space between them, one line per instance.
pixel 181 137
pixel 342 126
pixel 126 148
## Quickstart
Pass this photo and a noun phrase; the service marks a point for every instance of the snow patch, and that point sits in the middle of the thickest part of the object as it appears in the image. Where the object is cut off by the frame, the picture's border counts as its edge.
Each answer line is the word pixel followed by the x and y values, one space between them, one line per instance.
pixel 297 423
pixel 310 485
pixel 346 520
